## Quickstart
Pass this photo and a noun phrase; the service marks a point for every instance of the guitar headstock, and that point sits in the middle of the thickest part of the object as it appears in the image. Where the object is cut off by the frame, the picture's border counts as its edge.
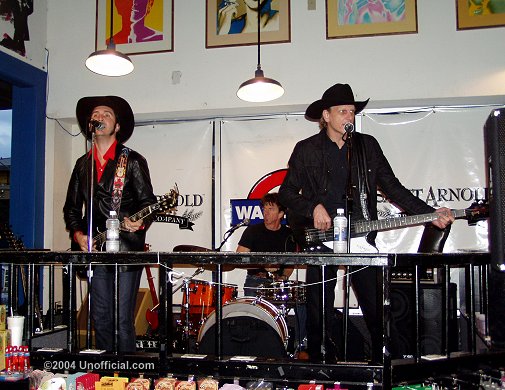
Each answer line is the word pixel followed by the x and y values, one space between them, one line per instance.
pixel 13 242
pixel 478 211
pixel 168 202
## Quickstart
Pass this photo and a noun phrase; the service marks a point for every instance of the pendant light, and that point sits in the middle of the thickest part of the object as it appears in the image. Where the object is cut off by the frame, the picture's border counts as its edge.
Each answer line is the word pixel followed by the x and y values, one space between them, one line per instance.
pixel 260 88
pixel 110 62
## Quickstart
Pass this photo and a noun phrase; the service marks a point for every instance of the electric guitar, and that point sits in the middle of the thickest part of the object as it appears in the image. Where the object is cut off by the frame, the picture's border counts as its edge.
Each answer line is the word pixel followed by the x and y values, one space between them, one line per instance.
pixel 17 244
pixel 309 237
pixel 152 313
pixel 164 203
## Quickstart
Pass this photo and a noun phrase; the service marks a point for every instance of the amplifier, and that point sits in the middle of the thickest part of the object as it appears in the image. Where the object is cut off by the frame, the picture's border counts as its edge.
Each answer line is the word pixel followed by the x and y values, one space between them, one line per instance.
pixel 406 274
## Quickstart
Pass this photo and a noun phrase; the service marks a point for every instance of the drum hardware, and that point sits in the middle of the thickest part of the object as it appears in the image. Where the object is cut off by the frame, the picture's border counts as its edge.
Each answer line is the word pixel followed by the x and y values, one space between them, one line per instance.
pixel 248 319
pixel 186 324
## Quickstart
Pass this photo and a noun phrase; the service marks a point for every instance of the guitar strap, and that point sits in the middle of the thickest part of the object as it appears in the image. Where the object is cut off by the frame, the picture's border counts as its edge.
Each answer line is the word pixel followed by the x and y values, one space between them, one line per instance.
pixel 119 179
pixel 363 185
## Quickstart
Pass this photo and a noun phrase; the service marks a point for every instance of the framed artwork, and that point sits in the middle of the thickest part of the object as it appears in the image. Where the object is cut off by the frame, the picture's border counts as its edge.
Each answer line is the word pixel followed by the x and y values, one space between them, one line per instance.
pixel 350 18
pixel 139 27
pixel 480 13
pixel 234 23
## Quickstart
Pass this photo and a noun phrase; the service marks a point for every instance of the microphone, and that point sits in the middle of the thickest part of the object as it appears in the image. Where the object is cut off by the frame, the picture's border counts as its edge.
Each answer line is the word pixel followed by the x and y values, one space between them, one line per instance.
pixel 244 222
pixel 349 127
pixel 97 125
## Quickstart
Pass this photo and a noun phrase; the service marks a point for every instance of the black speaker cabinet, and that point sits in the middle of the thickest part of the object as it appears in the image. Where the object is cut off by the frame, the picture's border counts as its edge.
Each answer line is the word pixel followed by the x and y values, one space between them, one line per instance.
pixel 494 145
pixel 403 324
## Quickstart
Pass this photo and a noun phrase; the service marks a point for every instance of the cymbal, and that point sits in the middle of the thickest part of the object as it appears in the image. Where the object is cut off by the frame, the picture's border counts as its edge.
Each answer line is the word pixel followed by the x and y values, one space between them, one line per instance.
pixel 190 248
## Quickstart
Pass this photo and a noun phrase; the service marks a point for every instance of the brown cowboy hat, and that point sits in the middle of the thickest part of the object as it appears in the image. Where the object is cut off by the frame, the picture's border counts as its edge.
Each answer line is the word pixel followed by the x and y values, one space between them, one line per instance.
pixel 122 110
pixel 337 95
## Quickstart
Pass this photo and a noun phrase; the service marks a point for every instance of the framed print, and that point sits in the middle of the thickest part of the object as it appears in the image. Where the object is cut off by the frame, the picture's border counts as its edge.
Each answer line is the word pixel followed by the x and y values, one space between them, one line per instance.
pixel 350 18
pixel 480 13
pixel 234 22
pixel 139 26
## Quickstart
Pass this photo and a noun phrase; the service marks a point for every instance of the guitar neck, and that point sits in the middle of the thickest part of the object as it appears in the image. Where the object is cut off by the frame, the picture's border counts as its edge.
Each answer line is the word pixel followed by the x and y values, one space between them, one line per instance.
pixel 399 222
pixel 145 212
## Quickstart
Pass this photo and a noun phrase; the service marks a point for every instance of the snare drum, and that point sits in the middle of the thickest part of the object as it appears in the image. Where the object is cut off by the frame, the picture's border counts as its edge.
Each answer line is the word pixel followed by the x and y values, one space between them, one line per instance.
pixel 251 326
pixel 202 301
pixel 289 291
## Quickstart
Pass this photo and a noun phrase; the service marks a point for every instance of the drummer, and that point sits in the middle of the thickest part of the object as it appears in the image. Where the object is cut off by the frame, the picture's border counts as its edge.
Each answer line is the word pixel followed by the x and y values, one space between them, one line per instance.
pixel 269 236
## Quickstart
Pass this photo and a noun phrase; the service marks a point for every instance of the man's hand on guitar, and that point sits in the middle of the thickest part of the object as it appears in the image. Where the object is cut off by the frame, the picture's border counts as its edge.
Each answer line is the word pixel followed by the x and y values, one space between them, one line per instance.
pixel 131 226
pixel 322 220
pixel 82 241
pixel 445 217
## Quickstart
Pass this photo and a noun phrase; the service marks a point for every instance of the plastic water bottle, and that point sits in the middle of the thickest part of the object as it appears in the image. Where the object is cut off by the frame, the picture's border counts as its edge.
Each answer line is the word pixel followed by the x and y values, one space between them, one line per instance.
pixel 112 225
pixel 340 232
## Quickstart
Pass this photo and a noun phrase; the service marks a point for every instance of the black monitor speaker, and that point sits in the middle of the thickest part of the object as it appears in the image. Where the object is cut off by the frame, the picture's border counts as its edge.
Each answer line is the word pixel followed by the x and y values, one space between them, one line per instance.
pixel 494 144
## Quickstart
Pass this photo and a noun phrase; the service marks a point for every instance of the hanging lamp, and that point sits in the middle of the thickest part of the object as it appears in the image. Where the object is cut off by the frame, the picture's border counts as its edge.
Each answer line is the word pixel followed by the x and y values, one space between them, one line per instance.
pixel 110 62
pixel 260 88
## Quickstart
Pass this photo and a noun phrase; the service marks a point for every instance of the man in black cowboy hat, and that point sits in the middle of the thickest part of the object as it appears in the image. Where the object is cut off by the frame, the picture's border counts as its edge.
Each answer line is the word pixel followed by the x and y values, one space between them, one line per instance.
pixel 316 185
pixel 111 120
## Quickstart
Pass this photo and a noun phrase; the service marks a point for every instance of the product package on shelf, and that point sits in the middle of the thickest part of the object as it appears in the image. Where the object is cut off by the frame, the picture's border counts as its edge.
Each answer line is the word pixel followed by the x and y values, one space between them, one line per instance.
pixel 111 383
pixel 167 383
pixel 87 381
pixel 189 384
pixel 139 384
pixel 4 343
pixel 3 317
pixel 208 384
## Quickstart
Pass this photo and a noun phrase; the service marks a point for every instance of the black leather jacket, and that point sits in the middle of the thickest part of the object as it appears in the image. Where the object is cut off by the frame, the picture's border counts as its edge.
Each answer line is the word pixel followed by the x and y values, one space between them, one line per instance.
pixel 137 194
pixel 307 178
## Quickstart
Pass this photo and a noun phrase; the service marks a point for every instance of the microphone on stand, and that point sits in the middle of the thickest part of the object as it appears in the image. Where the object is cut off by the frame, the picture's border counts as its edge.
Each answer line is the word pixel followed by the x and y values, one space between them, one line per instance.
pixel 349 127
pixel 97 125
pixel 244 222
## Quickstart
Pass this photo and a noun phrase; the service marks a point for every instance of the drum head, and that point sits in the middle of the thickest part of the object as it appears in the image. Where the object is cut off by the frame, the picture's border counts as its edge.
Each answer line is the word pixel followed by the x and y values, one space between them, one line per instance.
pixel 245 336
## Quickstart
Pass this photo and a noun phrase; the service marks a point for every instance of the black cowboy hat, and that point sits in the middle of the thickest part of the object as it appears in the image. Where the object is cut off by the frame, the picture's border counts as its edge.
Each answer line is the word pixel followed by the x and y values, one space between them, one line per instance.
pixel 122 110
pixel 337 95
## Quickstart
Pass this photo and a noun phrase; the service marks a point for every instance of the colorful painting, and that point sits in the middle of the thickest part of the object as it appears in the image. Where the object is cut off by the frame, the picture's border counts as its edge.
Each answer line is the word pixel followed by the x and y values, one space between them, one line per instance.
pixel 139 26
pixel 480 13
pixel 14 24
pixel 352 18
pixel 235 22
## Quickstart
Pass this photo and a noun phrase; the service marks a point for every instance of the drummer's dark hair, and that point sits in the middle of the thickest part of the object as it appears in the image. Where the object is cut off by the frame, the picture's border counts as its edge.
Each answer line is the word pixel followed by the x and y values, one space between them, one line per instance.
pixel 272 198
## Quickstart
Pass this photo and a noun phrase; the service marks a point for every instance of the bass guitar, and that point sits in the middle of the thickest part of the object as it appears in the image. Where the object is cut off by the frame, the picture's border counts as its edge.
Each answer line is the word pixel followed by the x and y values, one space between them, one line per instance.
pixel 310 238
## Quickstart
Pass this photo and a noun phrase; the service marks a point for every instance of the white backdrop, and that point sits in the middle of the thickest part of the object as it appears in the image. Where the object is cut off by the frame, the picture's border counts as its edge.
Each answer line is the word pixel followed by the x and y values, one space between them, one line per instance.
pixel 438 153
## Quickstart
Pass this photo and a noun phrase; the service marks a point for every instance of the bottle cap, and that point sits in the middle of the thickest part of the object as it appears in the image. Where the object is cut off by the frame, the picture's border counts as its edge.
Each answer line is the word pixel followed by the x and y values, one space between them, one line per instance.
pixel 340 211
pixel 112 213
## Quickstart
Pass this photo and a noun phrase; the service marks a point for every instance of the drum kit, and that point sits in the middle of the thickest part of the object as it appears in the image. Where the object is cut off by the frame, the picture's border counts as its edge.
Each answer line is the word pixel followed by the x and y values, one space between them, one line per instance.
pixel 250 325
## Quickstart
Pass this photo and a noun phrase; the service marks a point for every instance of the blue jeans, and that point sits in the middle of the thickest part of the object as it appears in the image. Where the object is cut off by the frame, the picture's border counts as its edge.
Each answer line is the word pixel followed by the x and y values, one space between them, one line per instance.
pixel 102 308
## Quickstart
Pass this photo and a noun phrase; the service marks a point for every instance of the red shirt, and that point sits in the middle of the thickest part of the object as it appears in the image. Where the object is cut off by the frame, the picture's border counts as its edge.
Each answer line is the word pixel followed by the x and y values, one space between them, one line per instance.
pixel 109 155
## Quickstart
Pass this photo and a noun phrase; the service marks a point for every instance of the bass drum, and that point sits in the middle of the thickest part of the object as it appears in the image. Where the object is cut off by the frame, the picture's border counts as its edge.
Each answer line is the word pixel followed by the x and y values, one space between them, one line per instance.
pixel 251 326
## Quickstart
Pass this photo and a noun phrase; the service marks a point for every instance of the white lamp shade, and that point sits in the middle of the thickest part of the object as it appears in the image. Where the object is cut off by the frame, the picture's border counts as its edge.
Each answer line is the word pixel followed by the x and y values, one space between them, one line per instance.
pixel 109 63
pixel 260 89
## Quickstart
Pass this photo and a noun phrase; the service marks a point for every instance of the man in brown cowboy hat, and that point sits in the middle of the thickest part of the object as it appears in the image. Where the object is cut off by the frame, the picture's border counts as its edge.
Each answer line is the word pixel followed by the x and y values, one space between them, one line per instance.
pixel 109 121
pixel 316 185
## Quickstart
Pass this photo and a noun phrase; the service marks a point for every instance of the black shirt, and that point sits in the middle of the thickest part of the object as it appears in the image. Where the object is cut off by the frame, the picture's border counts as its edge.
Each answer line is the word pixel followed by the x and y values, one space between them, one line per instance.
pixel 260 239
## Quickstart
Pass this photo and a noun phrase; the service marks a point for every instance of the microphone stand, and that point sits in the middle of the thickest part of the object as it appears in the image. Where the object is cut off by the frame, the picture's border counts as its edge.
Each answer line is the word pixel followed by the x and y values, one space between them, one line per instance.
pixel 90 232
pixel 228 234
pixel 348 214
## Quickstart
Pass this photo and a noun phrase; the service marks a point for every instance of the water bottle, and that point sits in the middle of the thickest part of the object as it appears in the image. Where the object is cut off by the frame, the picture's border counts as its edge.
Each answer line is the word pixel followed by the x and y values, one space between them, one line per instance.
pixel 112 225
pixel 340 232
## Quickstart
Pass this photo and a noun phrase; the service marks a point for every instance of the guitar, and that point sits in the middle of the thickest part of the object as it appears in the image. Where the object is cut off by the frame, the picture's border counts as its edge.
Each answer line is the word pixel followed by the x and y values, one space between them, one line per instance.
pixel 152 313
pixel 165 202
pixel 309 238
pixel 17 244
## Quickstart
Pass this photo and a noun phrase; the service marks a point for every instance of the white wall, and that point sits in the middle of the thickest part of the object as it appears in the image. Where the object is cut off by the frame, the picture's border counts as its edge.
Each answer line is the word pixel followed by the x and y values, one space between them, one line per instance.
pixel 437 62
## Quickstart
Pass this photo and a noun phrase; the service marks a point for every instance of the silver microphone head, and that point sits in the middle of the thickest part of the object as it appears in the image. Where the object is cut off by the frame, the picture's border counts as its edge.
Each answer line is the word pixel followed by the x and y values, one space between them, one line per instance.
pixel 349 127
pixel 97 125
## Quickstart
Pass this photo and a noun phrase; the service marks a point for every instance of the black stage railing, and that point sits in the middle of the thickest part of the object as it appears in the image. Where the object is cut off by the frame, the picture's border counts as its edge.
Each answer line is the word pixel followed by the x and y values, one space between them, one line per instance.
pixel 166 360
